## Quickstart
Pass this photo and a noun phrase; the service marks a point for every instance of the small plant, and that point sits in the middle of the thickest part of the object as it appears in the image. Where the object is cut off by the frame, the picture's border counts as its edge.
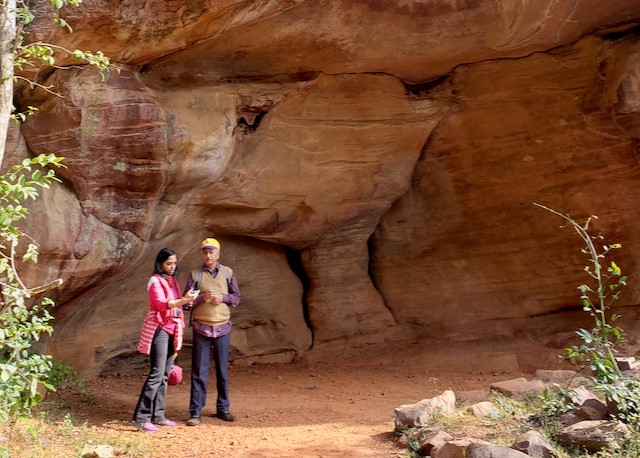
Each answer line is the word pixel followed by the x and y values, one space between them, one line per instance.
pixel 597 349
pixel 67 425
pixel 62 376
pixel 598 346
pixel 624 395
pixel 552 403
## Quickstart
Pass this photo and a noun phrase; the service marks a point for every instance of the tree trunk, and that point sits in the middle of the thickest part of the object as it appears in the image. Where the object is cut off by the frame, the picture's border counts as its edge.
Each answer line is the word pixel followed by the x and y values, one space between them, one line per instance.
pixel 7 55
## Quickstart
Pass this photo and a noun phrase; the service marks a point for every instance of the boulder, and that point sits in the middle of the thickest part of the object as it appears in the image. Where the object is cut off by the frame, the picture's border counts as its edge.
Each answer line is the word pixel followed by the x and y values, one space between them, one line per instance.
pixel 534 444
pixel 519 388
pixel 595 435
pixel 421 413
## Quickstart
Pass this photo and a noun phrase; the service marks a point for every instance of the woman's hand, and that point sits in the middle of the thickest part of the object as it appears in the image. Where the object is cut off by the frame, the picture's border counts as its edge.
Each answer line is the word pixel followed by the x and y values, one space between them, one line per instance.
pixel 191 295
pixel 188 298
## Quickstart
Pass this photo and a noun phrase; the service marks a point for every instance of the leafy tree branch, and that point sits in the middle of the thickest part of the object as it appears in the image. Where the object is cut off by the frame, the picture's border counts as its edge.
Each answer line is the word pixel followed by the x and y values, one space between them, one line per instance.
pixel 22 321
pixel 16 54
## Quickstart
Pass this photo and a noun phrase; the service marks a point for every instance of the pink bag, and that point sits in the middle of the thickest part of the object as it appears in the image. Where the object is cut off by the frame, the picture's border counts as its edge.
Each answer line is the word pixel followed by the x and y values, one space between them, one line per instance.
pixel 175 376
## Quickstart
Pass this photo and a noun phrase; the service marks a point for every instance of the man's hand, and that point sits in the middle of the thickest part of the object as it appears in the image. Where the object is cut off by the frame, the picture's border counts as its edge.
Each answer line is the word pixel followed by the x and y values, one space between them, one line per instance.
pixel 213 296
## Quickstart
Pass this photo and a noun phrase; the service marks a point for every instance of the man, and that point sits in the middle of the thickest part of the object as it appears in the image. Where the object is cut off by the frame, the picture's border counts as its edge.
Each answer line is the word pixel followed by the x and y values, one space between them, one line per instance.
pixel 211 322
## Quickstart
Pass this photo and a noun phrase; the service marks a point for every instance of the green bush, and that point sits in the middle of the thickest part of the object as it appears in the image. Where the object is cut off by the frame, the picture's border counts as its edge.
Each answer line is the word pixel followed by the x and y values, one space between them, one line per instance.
pixel 62 376
pixel 23 371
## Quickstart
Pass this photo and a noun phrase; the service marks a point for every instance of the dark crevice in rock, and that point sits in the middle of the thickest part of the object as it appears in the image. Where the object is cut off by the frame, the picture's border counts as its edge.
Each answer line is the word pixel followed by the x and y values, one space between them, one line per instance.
pixel 247 126
pixel 295 263
pixel 422 89
pixel 303 76
pixel 275 78
pixel 615 35
pixel 153 75
pixel 371 247
pixel 250 114
pixel 558 311
pixel 144 68
pixel 635 146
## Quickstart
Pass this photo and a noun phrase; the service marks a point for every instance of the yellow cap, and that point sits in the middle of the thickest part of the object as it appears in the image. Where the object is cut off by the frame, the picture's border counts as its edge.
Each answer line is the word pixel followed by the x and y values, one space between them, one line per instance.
pixel 210 243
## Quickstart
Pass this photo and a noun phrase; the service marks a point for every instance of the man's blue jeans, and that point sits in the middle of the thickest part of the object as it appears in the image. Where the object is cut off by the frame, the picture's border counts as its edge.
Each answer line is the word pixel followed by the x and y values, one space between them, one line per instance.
pixel 200 359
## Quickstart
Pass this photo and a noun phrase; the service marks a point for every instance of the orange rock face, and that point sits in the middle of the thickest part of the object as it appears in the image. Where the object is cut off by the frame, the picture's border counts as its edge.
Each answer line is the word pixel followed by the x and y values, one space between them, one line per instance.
pixel 370 168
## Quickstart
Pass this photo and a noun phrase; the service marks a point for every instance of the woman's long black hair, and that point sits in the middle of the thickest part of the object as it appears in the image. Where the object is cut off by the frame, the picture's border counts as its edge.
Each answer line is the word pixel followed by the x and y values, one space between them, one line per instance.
pixel 163 255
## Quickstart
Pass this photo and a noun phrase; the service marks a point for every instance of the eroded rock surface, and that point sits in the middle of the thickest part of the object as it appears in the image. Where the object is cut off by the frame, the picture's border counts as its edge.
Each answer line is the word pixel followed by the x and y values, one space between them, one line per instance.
pixel 370 167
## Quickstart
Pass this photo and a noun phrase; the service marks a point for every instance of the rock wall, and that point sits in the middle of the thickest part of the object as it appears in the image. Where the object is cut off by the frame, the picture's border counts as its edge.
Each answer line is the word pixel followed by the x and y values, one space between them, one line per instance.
pixel 370 167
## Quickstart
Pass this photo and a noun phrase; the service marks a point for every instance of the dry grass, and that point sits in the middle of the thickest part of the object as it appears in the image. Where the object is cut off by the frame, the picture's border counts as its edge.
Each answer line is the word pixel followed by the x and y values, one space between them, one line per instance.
pixel 54 430
pixel 39 437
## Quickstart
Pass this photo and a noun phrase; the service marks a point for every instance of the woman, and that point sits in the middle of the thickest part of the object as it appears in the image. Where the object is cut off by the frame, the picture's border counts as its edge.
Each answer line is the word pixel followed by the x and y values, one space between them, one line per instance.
pixel 161 338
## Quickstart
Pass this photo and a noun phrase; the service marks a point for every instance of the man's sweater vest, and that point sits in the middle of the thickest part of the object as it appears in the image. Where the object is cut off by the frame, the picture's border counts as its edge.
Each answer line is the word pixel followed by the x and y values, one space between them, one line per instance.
pixel 206 312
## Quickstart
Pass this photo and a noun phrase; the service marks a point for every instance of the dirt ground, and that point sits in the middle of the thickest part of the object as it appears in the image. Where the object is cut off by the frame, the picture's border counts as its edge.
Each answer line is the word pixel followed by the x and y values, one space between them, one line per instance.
pixel 294 410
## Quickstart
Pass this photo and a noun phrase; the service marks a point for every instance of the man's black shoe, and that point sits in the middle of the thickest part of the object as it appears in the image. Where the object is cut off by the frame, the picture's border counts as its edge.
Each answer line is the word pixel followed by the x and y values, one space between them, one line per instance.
pixel 226 416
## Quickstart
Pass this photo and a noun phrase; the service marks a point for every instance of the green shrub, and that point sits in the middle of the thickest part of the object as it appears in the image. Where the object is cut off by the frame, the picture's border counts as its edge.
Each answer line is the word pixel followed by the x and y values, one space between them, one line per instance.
pixel 62 376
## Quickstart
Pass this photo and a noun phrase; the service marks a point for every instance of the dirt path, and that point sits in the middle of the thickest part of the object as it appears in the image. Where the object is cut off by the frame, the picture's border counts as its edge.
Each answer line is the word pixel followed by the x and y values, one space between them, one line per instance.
pixel 293 410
